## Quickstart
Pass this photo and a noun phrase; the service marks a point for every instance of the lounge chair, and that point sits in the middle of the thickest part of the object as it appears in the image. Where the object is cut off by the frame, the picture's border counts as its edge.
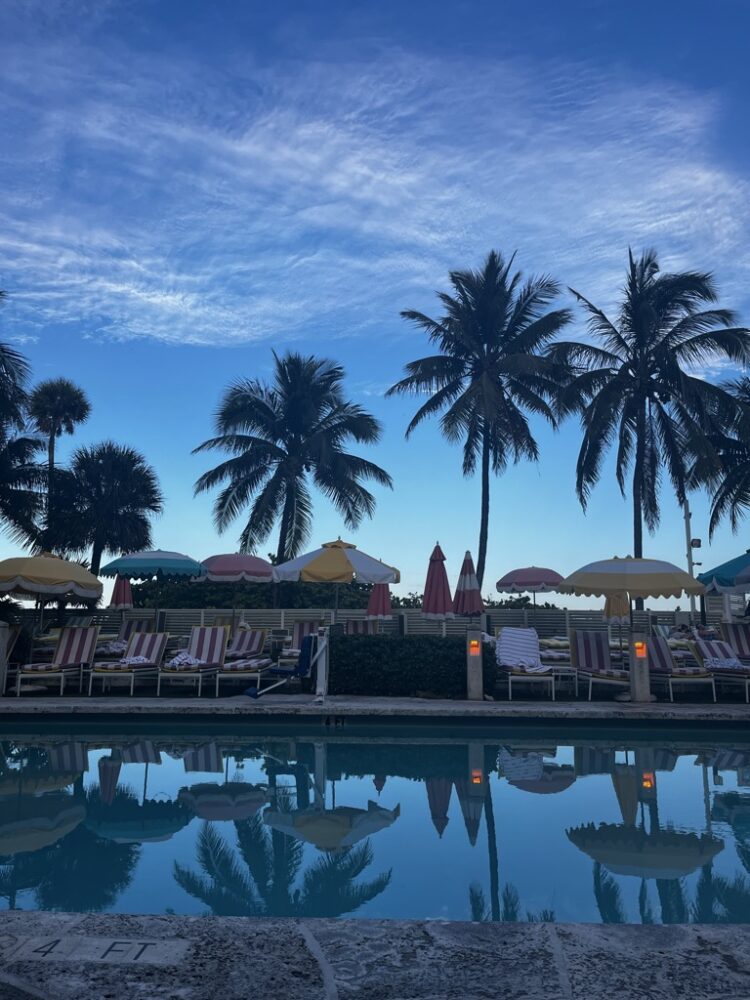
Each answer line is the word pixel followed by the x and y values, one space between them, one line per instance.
pixel 128 628
pixel 737 634
pixel 74 653
pixel 246 643
pixel 290 654
pixel 661 630
pixel 203 657
pixel 591 658
pixel 283 673
pixel 665 668
pixel 517 652
pixel 148 645
pixel 722 661
pixel 361 626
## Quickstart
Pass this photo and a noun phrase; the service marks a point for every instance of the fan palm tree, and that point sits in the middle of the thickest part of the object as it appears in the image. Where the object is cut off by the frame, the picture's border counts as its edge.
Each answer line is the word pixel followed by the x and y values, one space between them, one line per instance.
pixel 489 373
pixel 266 884
pixel 282 437
pixel 111 493
pixel 56 407
pixel 634 388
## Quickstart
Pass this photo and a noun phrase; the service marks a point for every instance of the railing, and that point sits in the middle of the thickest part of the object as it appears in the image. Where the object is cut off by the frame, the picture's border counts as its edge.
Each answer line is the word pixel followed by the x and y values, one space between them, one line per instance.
pixel 548 622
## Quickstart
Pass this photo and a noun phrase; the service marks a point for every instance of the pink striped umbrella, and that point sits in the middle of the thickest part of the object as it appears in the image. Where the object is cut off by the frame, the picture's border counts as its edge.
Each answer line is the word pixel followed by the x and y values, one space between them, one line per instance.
pixel 379 605
pixel 235 567
pixel 472 806
pixel 529 580
pixel 467 601
pixel 439 797
pixel 122 595
pixel 437 601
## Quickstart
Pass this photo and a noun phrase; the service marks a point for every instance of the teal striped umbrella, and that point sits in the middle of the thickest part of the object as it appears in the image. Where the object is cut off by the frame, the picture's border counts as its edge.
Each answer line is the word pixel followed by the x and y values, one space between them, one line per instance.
pixel 144 565
pixel 723 579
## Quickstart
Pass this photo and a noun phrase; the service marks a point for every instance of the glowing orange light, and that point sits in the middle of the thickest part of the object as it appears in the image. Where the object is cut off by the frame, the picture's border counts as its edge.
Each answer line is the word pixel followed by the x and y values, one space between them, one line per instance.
pixel 476 776
pixel 640 650
pixel 475 647
pixel 648 780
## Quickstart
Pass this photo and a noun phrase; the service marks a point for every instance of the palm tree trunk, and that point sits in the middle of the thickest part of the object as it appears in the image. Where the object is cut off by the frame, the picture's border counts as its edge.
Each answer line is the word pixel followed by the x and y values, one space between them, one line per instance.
pixel 485 515
pixel 286 516
pixel 50 477
pixel 640 433
pixel 96 557
pixel 489 816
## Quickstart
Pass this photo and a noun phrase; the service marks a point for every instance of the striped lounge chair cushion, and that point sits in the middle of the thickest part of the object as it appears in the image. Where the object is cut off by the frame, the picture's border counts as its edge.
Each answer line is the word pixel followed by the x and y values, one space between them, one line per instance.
pixel 75 648
pixel 248 665
pixel 247 642
pixel 738 637
pixel 688 671
pixel 300 630
pixel 660 658
pixel 206 649
pixel 592 654
pixel 614 673
pixel 47 668
pixel 124 666
pixel 517 650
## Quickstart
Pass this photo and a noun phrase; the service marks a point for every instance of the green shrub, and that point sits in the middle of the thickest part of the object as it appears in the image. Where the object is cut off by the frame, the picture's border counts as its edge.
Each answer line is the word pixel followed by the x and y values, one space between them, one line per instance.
pixel 403 666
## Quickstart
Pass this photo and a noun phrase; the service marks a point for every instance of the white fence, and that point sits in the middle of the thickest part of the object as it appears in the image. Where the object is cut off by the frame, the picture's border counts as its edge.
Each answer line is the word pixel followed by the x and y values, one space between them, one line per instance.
pixel 548 622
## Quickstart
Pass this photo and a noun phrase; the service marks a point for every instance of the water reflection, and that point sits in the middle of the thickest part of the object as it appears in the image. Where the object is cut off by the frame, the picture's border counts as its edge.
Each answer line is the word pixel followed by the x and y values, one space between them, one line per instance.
pixel 335 825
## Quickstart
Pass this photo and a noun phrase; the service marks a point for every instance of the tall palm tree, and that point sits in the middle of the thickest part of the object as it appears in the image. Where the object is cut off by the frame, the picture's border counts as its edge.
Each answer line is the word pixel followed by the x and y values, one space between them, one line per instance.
pixel 634 387
pixel 56 406
pixel 21 483
pixel 266 885
pixel 489 373
pixel 111 493
pixel 283 437
pixel 727 474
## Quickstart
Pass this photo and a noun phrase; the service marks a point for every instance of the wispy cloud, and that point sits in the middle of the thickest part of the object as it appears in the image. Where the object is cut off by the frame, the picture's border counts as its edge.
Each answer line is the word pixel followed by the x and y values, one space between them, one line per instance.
pixel 244 202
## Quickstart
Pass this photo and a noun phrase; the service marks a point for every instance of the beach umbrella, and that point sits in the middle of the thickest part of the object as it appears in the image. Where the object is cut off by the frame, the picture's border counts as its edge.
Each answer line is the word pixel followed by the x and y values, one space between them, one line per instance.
pixel 234 800
pixel 662 854
pixel 379 604
pixel 439 791
pixel 437 601
pixel 617 611
pixel 471 800
pixel 553 779
pixel 529 580
pixel 34 822
pixel 122 594
pixel 336 562
pixel 235 567
pixel 467 601
pixel 128 821
pixel 636 577
pixel 33 781
pixel 144 565
pixel 333 829
pixel 47 576
pixel 730 577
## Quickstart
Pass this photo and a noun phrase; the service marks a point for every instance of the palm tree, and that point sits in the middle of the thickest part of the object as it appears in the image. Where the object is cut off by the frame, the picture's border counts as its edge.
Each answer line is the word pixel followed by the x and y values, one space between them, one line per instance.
pixel 727 474
pixel 266 885
pixel 489 373
pixel 21 482
pixel 56 406
pixel 633 386
pixel 111 493
pixel 282 437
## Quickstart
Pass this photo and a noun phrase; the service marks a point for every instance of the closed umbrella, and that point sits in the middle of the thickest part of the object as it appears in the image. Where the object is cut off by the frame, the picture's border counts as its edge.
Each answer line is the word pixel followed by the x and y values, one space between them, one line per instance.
pixel 235 567
pixel 471 799
pixel 122 594
pixel 617 611
pixel 439 792
pixel 379 604
pixel 109 775
pixel 467 601
pixel 437 601
pixel 144 565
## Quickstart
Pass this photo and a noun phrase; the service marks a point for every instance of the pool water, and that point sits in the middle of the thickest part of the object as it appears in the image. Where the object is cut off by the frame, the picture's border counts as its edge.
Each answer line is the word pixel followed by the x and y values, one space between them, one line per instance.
pixel 377 827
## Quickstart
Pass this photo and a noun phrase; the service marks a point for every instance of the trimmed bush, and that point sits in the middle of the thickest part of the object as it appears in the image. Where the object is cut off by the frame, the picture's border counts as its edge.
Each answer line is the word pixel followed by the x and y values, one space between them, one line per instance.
pixel 403 666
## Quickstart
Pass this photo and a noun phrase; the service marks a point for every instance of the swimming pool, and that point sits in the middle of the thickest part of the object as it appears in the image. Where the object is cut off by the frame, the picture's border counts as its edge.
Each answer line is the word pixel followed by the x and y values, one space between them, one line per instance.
pixel 466 827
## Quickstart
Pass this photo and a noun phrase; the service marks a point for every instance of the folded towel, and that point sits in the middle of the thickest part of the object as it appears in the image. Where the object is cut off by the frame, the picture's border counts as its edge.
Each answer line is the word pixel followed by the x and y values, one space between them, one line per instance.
pixel 519 648
pixel 185 660
pixel 135 659
pixel 722 663
pixel 113 647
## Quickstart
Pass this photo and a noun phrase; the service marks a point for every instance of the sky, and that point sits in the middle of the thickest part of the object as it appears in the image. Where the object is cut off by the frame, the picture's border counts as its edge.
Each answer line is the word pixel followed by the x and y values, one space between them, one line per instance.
pixel 185 187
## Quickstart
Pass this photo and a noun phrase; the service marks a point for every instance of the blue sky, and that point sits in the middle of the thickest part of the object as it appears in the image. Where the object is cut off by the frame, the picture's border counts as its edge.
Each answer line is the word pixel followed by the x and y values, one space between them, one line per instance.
pixel 185 186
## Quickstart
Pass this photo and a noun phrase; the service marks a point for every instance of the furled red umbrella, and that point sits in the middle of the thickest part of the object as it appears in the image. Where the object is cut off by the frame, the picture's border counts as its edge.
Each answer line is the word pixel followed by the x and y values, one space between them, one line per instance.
pixel 439 792
pixel 379 604
pixel 235 567
pixel 472 805
pixel 109 775
pixel 122 595
pixel 437 601
pixel 379 782
pixel 467 601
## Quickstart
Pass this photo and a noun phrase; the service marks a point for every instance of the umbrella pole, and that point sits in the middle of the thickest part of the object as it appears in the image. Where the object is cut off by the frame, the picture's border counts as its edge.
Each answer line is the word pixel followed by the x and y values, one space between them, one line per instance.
pixel 145 782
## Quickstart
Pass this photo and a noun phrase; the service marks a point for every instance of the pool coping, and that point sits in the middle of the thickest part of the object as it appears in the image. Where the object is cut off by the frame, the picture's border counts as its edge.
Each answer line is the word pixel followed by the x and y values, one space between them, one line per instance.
pixel 87 956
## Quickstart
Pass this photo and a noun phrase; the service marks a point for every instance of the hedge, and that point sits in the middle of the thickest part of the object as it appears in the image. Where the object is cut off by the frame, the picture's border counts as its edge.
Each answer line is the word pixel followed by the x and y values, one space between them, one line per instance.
pixel 403 666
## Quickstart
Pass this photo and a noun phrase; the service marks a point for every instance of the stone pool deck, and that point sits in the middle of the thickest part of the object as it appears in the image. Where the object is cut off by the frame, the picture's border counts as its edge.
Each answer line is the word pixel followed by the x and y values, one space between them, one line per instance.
pixel 94 957
pixel 305 706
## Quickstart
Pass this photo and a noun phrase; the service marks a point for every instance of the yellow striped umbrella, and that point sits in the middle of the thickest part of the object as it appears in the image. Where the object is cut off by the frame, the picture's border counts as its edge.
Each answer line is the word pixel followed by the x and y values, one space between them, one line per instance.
pixel 636 577
pixel 336 562
pixel 47 576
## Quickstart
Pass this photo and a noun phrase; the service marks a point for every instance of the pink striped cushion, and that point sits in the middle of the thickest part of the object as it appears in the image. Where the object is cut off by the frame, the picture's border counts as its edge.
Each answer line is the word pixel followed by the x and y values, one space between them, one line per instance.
pixel 248 665
pixel 247 642
pixel 76 645
pixel 148 644
pixel 208 643
pixel 592 652
pixel 300 630
pixel 738 637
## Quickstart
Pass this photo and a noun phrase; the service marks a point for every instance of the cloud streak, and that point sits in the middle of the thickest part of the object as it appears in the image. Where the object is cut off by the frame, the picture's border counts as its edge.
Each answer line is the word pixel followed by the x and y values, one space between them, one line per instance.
pixel 232 204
